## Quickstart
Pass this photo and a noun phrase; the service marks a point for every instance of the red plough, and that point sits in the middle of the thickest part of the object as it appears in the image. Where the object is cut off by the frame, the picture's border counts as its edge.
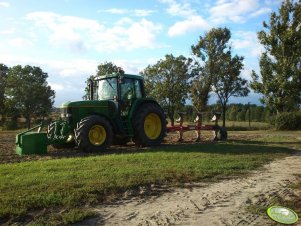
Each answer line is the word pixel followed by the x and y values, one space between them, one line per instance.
pixel 219 133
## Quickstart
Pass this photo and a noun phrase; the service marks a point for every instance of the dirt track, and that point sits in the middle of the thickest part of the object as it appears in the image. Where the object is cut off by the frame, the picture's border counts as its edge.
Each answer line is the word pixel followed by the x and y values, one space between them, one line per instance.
pixel 223 203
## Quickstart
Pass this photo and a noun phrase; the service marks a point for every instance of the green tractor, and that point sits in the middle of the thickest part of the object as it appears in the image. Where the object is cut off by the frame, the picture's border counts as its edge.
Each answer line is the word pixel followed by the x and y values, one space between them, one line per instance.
pixel 118 111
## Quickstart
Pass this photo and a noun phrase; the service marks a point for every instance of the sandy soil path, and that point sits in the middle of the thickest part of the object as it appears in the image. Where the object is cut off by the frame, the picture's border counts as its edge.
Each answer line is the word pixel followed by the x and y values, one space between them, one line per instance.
pixel 222 203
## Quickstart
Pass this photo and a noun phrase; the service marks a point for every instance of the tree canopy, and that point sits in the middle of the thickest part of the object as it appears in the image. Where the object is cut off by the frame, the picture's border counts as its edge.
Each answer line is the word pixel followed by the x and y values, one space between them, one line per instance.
pixel 28 93
pixel 168 82
pixel 207 54
pixel 219 72
pixel 279 81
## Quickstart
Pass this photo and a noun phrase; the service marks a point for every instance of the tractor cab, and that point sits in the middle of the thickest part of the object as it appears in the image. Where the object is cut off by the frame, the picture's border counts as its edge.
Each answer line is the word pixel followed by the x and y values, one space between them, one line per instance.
pixel 122 89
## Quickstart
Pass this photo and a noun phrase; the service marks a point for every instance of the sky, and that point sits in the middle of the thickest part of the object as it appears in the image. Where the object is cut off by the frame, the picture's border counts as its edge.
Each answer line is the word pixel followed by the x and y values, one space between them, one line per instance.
pixel 69 38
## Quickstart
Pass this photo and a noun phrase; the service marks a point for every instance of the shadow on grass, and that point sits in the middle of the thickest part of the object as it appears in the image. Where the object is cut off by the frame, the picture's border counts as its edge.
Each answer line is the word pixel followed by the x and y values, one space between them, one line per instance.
pixel 233 147
pixel 238 148
pixel 287 144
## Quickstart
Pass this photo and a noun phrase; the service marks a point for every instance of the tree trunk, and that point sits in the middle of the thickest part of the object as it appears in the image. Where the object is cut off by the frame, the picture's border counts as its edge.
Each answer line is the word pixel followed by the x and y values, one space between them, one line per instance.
pixel 172 120
pixel 224 114
pixel 28 122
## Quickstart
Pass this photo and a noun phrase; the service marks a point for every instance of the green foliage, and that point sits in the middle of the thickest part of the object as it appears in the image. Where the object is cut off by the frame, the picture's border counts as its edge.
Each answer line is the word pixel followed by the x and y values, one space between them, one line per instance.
pixel 221 71
pixel 3 81
pixel 28 93
pixel 280 73
pixel 207 53
pixel 168 82
pixel 288 121
pixel 106 68
pixel 10 125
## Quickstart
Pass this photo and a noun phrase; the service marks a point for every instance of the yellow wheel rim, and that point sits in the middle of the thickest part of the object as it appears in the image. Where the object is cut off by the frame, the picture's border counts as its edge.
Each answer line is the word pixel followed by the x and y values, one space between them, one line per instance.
pixel 97 135
pixel 152 126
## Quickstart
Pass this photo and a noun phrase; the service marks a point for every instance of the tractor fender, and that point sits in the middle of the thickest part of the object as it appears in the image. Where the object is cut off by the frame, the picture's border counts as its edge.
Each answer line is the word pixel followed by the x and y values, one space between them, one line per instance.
pixel 138 103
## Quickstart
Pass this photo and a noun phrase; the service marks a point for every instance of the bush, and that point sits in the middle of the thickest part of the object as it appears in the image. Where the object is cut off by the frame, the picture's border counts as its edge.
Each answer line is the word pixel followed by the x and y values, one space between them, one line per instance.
pixel 288 121
pixel 10 125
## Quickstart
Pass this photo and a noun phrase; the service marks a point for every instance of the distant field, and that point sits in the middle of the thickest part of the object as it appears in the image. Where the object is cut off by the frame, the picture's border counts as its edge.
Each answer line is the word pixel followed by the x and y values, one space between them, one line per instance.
pixel 240 126
pixel 75 182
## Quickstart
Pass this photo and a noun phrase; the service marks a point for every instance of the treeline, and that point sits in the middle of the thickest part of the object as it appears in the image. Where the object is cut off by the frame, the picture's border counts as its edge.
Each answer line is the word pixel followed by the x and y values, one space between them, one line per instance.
pixel 235 112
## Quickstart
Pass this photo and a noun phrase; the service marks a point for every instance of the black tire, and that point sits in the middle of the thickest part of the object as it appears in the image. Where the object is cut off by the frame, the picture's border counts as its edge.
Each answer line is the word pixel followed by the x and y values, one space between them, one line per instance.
pixel 141 120
pixel 222 134
pixel 51 135
pixel 93 133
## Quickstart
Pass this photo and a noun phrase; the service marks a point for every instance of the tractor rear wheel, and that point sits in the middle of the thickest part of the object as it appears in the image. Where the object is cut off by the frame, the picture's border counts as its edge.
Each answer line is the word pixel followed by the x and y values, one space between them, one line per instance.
pixel 93 133
pixel 149 124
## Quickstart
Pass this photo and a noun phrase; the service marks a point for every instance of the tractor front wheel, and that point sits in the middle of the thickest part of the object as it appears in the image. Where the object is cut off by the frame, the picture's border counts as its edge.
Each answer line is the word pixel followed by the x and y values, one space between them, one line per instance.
pixel 93 133
pixel 51 133
pixel 149 125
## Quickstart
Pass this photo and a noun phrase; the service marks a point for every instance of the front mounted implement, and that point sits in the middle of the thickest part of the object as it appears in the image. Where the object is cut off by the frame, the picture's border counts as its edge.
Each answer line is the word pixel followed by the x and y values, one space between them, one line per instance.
pixel 36 142
pixel 30 142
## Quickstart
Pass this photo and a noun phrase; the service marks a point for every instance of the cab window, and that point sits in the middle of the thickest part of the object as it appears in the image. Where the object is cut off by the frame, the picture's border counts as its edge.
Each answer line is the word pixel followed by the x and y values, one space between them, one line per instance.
pixel 107 89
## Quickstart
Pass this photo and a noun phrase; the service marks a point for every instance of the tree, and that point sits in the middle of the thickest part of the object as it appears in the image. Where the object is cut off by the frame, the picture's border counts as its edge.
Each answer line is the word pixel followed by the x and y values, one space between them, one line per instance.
pixel 206 54
pixel 227 82
pixel 28 92
pixel 106 68
pixel 3 81
pixel 102 69
pixel 168 82
pixel 220 72
pixel 280 65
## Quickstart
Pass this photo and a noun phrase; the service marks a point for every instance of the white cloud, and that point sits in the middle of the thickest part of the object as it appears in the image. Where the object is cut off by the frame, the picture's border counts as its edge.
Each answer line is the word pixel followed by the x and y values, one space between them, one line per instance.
pixel 261 11
pixel 179 9
pixel 190 24
pixel 134 12
pixel 247 41
pixel 57 86
pixel 233 10
pixel 79 34
pixel 8 31
pixel 4 4
pixel 19 42
pixel 142 34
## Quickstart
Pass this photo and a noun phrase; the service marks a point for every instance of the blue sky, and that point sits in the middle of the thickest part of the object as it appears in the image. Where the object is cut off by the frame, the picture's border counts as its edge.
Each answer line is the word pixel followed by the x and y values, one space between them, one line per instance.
pixel 69 38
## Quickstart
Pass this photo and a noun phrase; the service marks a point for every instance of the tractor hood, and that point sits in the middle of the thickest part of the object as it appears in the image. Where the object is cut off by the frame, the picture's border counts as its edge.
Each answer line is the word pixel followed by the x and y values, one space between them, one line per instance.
pixel 85 103
pixel 80 109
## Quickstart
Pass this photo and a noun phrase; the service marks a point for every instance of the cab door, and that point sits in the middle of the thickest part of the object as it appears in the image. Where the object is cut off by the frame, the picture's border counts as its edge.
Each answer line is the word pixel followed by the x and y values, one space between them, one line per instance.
pixel 130 90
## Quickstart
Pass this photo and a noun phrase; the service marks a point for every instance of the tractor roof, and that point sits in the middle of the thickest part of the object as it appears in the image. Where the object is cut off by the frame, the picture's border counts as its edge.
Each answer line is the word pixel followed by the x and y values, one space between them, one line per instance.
pixel 118 74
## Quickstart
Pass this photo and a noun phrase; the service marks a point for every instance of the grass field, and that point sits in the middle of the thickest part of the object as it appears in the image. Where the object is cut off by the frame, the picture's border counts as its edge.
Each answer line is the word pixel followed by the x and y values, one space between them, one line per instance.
pixel 61 191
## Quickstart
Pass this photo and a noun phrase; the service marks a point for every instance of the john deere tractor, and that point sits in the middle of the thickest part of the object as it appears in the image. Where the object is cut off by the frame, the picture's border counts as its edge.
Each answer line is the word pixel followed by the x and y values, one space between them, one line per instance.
pixel 118 111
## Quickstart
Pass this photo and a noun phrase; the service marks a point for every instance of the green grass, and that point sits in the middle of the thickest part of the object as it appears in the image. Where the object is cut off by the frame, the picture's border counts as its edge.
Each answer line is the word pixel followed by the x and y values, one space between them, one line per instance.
pixel 244 126
pixel 73 183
